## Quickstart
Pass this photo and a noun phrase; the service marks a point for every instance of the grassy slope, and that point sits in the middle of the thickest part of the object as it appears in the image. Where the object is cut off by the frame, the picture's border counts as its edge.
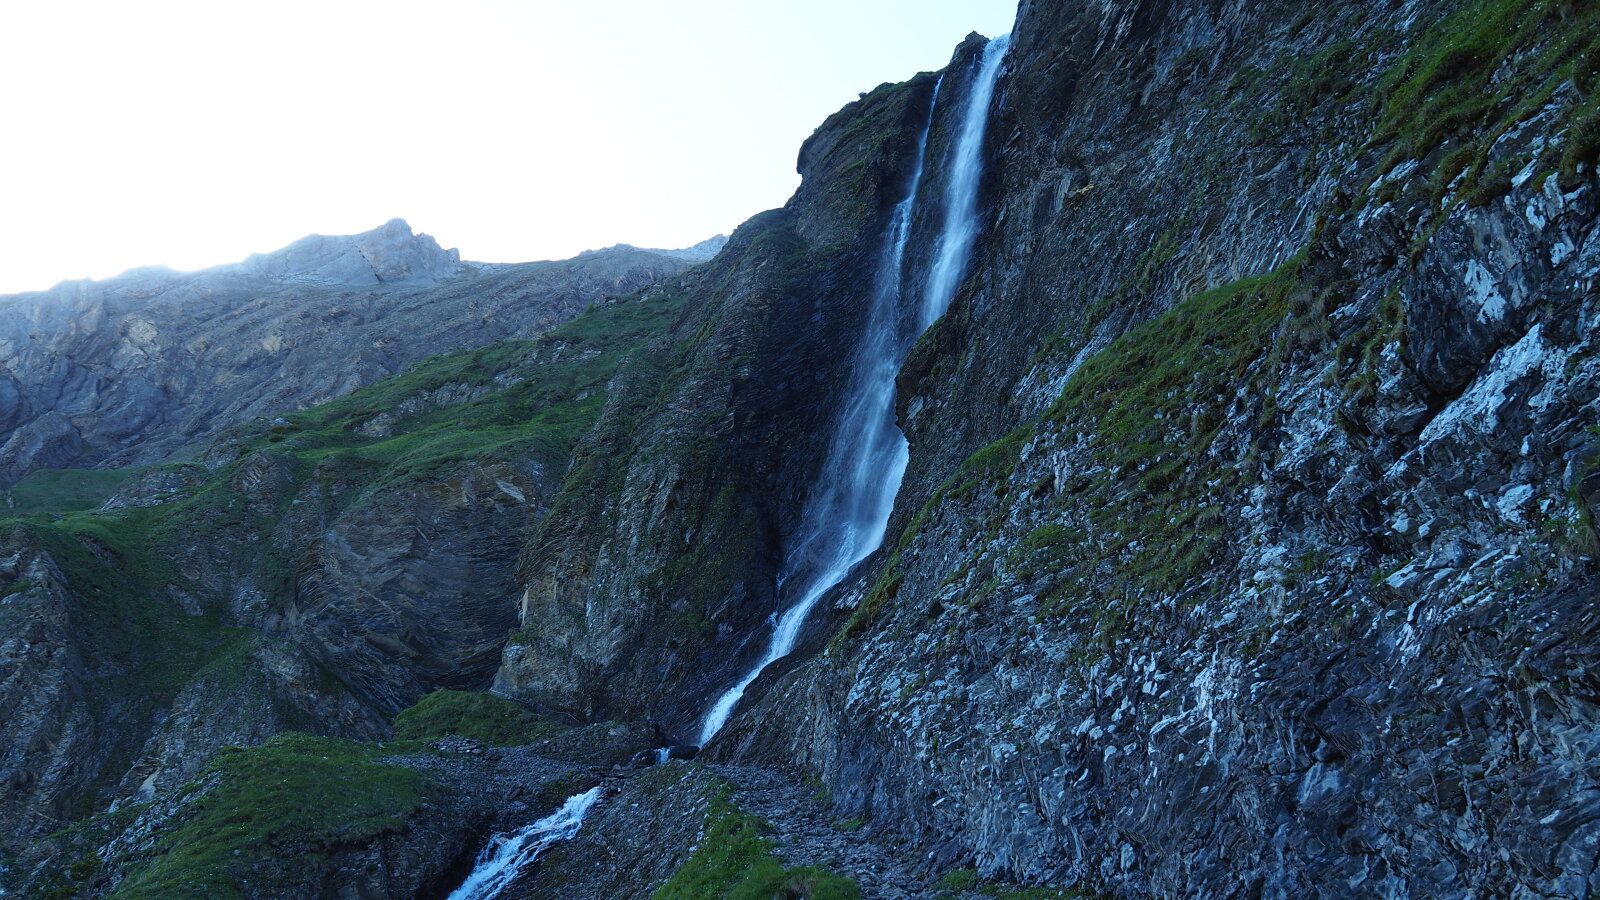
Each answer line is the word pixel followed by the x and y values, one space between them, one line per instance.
pixel 543 394
pixel 61 490
pixel 272 815
pixel 272 811
pixel 482 717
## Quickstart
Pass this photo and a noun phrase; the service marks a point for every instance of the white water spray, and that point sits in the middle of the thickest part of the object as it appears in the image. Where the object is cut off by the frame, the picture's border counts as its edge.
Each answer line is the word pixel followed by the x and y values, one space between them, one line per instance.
pixel 509 853
pixel 846 520
pixel 961 194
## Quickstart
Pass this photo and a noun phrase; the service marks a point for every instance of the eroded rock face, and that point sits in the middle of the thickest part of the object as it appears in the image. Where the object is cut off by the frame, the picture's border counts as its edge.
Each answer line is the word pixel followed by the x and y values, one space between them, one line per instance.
pixel 42 694
pixel 1287 593
pixel 414 590
pixel 128 370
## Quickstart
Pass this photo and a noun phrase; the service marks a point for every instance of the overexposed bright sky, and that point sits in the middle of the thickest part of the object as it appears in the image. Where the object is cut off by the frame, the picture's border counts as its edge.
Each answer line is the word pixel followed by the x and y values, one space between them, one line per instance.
pixel 194 133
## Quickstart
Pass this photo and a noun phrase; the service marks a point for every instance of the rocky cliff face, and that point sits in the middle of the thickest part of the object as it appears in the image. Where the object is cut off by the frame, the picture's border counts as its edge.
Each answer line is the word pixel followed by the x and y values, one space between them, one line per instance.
pixel 1251 476
pixel 130 370
pixel 649 581
pixel 1286 591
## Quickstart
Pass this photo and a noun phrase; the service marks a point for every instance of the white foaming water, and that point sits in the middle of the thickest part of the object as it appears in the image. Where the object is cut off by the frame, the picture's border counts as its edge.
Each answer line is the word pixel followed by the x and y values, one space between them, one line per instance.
pixel 846 519
pixel 509 853
pixel 961 194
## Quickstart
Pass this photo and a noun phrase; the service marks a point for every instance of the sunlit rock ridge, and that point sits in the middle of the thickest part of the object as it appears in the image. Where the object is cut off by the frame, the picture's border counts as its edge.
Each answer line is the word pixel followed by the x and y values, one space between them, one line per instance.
pixel 390 254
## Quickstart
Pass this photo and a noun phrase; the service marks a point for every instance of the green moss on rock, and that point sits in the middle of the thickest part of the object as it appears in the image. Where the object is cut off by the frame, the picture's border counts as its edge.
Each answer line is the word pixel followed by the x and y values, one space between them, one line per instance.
pixel 734 862
pixel 265 815
pixel 482 717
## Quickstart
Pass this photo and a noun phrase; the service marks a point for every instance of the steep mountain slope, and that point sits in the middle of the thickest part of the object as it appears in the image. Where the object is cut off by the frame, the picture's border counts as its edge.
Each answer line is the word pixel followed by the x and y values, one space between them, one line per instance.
pixel 130 370
pixel 320 573
pixel 652 576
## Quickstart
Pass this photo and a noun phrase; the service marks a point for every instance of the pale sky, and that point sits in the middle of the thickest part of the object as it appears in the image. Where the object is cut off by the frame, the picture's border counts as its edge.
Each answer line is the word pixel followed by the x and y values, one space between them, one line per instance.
pixel 195 133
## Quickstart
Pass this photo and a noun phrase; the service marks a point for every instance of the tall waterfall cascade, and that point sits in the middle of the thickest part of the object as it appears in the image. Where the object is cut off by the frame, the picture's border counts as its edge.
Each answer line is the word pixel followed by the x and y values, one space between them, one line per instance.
pixel 867 457
pixel 855 492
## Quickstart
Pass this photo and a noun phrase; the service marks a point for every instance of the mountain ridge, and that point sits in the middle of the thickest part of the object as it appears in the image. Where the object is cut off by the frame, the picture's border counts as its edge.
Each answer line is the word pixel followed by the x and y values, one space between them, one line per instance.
pixel 130 370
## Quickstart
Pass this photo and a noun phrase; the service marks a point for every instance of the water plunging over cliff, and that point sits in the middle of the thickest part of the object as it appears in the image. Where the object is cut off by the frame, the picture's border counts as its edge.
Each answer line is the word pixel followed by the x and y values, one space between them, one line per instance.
pixel 961 193
pixel 845 521
pixel 508 854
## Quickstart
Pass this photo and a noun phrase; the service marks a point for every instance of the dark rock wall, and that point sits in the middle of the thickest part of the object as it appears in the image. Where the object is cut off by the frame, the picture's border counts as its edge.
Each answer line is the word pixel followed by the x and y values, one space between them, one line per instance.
pixel 1288 592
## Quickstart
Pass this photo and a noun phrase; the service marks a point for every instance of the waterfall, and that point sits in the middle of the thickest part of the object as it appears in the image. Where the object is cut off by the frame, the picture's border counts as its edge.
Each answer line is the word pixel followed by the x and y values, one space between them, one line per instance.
pixel 849 512
pixel 509 853
pixel 961 192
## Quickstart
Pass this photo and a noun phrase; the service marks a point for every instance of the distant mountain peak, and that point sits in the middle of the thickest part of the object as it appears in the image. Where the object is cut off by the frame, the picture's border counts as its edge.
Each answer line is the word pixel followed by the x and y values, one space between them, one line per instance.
pixel 389 254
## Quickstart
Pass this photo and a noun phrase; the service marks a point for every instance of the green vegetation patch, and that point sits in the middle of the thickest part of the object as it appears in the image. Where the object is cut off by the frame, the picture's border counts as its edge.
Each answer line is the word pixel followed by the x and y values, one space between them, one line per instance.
pixel 61 490
pixel 124 619
pixel 967 880
pixel 734 862
pixel 959 880
pixel 1489 64
pixel 1176 361
pixel 1461 85
pixel 272 810
pixel 482 717
pixel 539 396
pixel 1445 95
pixel 1154 402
